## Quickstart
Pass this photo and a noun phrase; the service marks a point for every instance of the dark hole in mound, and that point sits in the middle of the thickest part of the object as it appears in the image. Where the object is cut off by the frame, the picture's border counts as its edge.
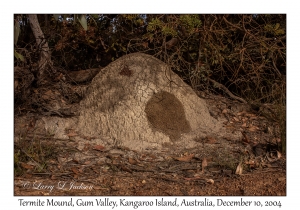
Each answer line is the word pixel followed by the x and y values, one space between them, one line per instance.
pixel 166 114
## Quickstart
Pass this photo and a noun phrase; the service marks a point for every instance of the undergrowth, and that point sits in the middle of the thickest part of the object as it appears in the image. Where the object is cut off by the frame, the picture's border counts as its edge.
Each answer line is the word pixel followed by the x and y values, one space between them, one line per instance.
pixel 31 154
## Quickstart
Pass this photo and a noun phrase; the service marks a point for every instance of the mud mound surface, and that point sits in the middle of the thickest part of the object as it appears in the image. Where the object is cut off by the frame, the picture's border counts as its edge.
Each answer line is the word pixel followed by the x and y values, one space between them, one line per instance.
pixel 166 114
pixel 138 102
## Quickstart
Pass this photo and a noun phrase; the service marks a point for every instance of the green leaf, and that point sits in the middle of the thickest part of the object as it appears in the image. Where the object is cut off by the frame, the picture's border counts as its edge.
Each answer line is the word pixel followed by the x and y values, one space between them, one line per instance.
pixel 16 32
pixel 56 17
pixel 96 16
pixel 276 26
pixel 19 56
pixel 83 22
pixel 279 32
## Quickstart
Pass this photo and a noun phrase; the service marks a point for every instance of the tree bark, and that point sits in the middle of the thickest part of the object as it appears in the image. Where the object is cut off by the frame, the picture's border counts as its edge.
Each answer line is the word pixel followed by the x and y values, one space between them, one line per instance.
pixel 44 62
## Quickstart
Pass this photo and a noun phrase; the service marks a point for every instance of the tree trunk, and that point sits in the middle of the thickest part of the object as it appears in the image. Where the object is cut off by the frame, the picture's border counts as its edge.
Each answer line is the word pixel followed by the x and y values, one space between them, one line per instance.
pixel 44 62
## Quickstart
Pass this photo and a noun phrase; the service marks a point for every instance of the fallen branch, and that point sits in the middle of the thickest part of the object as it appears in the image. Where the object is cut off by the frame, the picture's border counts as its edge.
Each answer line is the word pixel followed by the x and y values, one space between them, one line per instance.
pixel 220 86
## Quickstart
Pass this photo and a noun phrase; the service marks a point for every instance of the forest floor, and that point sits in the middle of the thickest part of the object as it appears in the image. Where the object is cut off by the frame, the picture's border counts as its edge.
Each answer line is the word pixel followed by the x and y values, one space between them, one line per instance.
pixel 251 166
pixel 149 178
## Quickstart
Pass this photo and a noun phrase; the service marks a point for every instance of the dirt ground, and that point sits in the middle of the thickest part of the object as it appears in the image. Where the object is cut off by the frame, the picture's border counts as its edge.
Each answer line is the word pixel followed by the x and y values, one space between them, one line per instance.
pixel 126 180
pixel 150 178
pixel 251 166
